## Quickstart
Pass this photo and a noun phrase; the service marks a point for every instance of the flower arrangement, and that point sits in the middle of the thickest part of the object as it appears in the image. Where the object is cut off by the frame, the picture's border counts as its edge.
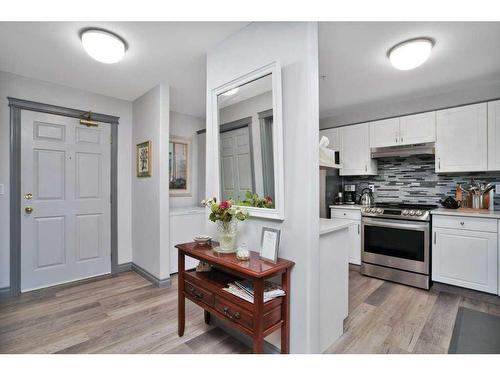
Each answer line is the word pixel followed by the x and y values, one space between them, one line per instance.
pixel 224 211
pixel 253 200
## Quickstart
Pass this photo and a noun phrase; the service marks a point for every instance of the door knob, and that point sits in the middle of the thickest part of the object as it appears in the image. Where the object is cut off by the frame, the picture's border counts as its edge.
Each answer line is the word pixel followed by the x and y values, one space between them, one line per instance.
pixel 28 209
pixel 28 196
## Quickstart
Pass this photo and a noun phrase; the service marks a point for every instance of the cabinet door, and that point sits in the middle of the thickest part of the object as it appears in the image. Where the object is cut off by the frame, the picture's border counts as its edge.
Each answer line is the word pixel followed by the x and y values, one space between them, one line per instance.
pixel 419 128
pixel 333 135
pixel 385 133
pixel 355 243
pixel 465 258
pixel 461 139
pixel 355 155
pixel 494 136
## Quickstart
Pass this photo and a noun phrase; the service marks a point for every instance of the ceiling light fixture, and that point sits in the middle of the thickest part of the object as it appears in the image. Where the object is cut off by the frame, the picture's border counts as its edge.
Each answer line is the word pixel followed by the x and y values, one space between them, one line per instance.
pixel 410 53
pixel 103 45
pixel 231 92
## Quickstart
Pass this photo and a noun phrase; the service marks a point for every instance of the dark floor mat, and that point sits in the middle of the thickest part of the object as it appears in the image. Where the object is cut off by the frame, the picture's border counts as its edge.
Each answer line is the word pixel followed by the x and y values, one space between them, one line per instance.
pixel 475 332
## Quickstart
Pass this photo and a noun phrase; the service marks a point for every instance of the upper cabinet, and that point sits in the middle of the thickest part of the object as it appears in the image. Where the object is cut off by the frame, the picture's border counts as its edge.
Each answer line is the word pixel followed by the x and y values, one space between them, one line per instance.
pixel 419 128
pixel 494 136
pixel 355 154
pixel 406 130
pixel 462 139
pixel 384 133
pixel 333 135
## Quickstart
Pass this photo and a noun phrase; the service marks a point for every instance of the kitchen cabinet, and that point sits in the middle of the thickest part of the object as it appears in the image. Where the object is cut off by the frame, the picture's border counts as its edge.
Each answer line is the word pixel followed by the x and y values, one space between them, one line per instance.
pixel 461 139
pixel 494 136
pixel 384 133
pixel 185 224
pixel 355 154
pixel 419 128
pixel 406 130
pixel 354 233
pixel 465 258
pixel 333 135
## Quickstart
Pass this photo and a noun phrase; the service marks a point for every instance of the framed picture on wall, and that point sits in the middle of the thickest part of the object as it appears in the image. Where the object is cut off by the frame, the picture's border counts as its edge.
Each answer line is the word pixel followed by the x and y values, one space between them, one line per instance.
pixel 179 166
pixel 144 159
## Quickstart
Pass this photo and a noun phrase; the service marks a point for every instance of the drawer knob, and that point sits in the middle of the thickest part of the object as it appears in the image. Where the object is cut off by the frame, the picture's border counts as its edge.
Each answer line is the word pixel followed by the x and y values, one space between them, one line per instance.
pixel 462 223
pixel 235 316
pixel 196 294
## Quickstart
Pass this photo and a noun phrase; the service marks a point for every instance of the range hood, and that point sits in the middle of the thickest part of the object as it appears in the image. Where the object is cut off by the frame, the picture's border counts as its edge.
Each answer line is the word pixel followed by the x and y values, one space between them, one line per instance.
pixel 403 151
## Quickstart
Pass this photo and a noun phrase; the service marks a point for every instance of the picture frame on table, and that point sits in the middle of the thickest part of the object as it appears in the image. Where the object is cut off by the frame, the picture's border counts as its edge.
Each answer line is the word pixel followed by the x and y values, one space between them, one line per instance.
pixel 269 244
pixel 143 159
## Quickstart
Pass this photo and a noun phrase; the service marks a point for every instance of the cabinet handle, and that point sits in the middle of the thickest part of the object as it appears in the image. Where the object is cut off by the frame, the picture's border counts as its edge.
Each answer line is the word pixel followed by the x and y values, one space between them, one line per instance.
pixel 434 238
pixel 358 228
pixel 462 223
pixel 401 139
pixel 396 139
pixel 366 168
pixel 439 163
pixel 235 316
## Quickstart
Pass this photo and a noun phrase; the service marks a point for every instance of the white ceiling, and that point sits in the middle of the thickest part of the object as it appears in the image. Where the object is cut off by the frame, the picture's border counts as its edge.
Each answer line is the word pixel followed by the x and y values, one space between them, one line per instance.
pixel 353 58
pixel 170 52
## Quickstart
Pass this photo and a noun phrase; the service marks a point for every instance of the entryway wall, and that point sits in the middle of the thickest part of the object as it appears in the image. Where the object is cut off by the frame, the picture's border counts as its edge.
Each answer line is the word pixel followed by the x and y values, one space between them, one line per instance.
pixel 44 92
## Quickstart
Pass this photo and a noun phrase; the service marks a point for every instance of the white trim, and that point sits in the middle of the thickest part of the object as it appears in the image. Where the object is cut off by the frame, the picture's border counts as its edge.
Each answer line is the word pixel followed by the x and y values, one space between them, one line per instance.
pixel 274 68
pixel 182 192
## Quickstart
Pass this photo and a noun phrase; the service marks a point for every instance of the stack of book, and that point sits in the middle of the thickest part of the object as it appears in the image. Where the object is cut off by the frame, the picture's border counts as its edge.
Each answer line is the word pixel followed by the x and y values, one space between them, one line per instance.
pixel 244 290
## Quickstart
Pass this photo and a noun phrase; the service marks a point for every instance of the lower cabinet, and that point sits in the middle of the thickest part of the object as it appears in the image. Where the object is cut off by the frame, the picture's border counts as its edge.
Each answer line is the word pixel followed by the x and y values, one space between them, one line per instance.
pixel 354 232
pixel 466 258
pixel 185 224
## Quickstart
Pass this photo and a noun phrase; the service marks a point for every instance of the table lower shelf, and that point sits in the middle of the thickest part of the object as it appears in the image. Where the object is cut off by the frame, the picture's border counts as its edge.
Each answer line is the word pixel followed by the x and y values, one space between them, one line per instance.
pixel 206 290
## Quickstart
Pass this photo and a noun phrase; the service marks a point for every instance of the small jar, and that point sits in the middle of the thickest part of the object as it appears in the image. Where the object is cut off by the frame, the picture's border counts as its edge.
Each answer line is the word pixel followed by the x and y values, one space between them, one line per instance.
pixel 243 253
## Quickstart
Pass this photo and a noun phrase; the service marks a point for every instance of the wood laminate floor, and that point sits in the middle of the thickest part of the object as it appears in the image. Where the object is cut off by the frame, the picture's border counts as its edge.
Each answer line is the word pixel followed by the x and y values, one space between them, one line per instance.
pixel 385 317
pixel 126 314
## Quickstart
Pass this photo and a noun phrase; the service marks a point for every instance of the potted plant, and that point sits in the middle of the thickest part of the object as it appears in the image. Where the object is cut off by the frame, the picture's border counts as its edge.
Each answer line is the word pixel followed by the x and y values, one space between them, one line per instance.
pixel 226 215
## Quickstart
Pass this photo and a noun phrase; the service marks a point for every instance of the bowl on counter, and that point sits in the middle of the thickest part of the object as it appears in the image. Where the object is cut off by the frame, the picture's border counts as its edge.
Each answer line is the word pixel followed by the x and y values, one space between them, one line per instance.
pixel 202 240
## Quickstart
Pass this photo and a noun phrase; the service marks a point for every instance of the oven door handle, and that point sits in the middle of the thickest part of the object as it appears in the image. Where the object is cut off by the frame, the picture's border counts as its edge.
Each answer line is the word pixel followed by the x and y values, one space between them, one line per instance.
pixel 397 224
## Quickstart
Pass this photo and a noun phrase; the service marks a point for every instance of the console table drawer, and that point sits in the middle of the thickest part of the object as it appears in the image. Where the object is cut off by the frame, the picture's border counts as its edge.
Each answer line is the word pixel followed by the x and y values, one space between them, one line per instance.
pixel 234 313
pixel 199 294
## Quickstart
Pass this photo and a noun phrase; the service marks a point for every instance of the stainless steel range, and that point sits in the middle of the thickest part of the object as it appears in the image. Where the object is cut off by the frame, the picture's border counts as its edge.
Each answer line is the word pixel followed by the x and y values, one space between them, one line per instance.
pixel 395 243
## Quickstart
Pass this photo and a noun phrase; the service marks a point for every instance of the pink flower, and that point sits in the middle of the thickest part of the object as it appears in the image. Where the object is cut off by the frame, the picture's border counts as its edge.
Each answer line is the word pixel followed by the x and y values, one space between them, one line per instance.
pixel 268 199
pixel 224 205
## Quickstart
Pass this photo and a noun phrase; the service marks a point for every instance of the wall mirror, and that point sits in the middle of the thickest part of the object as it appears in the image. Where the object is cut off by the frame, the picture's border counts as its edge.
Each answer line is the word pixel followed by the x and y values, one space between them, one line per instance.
pixel 249 137
pixel 179 167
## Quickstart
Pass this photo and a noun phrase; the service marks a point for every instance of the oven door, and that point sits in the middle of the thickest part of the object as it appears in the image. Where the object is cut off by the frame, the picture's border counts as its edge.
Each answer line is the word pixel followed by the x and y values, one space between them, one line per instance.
pixel 401 244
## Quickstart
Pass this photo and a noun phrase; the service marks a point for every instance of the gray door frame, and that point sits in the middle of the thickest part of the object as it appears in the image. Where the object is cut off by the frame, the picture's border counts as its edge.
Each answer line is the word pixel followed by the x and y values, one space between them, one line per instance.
pixel 16 106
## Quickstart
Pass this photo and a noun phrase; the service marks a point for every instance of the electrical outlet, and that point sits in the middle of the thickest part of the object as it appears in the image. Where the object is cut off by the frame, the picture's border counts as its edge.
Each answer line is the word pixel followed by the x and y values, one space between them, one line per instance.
pixel 372 188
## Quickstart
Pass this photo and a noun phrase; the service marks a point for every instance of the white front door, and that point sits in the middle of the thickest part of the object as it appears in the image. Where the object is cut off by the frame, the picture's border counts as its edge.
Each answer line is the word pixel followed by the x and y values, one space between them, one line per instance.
pixel 236 160
pixel 66 169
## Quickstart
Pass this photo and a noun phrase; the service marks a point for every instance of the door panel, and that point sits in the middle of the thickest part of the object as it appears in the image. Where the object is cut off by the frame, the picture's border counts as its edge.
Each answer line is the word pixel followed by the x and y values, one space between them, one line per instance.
pixel 66 166
pixel 461 139
pixel 49 172
pixel 385 133
pixel 465 258
pixel 50 249
pixel 419 128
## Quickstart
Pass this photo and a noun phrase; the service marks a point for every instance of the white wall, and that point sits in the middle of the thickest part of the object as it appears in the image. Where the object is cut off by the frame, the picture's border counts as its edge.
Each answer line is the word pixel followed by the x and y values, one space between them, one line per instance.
pixel 150 206
pixel 186 126
pixel 45 92
pixel 429 100
pixel 251 108
pixel 295 45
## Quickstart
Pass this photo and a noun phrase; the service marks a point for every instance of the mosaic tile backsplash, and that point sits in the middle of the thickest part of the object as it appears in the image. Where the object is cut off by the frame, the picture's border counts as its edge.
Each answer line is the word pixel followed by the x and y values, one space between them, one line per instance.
pixel 413 180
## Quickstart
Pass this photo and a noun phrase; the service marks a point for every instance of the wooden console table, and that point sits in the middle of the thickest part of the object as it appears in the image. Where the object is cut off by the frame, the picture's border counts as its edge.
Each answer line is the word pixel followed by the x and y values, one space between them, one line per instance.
pixel 206 290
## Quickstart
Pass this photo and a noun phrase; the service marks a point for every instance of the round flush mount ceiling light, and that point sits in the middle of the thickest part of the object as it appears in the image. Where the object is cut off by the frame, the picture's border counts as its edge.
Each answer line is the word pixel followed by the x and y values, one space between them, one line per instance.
pixel 410 53
pixel 103 45
pixel 231 92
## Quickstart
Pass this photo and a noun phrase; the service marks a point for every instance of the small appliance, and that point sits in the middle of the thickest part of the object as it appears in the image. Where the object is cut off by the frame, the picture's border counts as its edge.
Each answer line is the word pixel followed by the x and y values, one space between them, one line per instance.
pixel 350 194
pixel 366 199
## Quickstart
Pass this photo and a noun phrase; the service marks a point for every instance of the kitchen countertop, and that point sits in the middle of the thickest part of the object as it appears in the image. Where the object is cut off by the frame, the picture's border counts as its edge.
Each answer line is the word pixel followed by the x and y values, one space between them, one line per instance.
pixel 332 225
pixel 465 212
pixel 347 206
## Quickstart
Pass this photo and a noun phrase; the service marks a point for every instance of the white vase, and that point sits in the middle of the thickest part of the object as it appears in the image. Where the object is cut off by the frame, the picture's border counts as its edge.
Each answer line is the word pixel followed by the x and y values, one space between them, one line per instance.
pixel 227 233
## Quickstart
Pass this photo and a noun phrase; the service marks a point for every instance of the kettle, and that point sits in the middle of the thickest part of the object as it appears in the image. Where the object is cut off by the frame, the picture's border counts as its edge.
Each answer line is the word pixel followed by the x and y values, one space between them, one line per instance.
pixel 366 198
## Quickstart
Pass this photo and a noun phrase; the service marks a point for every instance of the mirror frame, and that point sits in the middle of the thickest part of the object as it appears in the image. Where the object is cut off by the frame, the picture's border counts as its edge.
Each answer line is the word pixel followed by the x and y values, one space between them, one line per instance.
pixel 274 68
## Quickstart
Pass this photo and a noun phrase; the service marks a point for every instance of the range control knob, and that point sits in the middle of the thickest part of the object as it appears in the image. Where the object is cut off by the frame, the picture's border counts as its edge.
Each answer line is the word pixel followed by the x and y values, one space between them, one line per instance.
pixel 380 211
pixel 412 212
pixel 419 213
pixel 404 213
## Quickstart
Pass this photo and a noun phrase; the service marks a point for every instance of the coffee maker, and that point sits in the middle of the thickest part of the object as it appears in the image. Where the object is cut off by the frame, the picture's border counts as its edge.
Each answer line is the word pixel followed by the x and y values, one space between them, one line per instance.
pixel 349 194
